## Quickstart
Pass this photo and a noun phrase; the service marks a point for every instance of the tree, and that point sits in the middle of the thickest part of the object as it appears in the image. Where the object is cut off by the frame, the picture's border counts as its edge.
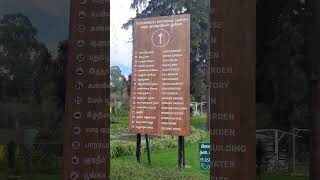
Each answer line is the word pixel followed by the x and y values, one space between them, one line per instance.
pixel 22 55
pixel 117 80
pixel 119 97
pixel 29 76
pixel 60 65
pixel 282 83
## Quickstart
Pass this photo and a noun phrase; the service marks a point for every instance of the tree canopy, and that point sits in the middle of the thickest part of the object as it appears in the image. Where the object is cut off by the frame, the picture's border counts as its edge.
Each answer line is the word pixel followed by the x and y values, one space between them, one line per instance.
pixel 29 76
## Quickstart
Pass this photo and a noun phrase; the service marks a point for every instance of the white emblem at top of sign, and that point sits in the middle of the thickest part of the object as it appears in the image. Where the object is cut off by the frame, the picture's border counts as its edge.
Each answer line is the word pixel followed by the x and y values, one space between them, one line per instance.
pixel 160 38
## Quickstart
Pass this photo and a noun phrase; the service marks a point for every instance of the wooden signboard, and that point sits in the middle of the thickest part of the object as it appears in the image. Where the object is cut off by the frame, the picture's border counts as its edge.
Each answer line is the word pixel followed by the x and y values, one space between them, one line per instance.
pixel 232 89
pixel 86 124
pixel 160 92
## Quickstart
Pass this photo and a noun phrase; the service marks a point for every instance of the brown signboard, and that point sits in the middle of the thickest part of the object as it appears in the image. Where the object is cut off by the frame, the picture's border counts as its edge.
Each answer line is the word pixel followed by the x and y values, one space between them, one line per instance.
pixel 232 89
pixel 160 92
pixel 86 124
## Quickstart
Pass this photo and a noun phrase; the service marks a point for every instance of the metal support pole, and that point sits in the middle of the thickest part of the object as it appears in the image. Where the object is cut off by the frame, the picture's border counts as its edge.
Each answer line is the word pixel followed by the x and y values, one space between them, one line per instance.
pixel 181 153
pixel 148 149
pixel 183 158
pixel 294 151
pixel 276 147
pixel 138 148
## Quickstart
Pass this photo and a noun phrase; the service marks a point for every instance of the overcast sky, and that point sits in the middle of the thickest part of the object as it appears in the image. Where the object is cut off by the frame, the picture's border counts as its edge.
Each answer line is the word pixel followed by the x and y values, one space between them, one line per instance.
pixel 51 18
pixel 121 45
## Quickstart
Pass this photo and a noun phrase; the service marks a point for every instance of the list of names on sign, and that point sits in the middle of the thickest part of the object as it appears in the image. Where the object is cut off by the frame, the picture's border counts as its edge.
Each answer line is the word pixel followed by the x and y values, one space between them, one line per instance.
pixel 160 85
pixel 86 124
pixel 232 90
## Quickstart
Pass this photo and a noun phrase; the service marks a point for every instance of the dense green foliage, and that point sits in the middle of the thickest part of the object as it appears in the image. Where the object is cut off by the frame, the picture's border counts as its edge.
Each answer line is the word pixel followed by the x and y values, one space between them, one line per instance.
pixel 283 94
pixel 117 80
pixel 30 86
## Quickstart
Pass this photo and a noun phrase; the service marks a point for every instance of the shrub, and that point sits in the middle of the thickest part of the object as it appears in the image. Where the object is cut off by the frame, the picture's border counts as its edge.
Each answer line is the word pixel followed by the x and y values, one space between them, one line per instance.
pixel 199 122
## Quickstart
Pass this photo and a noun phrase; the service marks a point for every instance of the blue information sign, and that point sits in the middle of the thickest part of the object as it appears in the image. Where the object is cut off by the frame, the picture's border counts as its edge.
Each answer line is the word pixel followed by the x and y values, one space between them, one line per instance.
pixel 204 150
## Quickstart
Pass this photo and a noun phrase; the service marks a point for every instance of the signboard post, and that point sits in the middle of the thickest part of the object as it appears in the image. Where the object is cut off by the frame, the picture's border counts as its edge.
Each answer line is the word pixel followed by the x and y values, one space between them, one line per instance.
pixel 232 89
pixel 86 124
pixel 160 86
pixel 181 153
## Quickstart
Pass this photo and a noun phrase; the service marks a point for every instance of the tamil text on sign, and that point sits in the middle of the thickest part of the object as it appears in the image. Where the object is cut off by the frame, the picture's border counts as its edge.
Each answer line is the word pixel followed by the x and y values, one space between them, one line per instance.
pixel 86 123
pixel 160 92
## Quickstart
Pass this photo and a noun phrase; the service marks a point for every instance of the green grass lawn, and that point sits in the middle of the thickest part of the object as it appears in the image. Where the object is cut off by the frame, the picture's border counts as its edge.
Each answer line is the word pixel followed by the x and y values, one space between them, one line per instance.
pixel 118 125
pixel 167 161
